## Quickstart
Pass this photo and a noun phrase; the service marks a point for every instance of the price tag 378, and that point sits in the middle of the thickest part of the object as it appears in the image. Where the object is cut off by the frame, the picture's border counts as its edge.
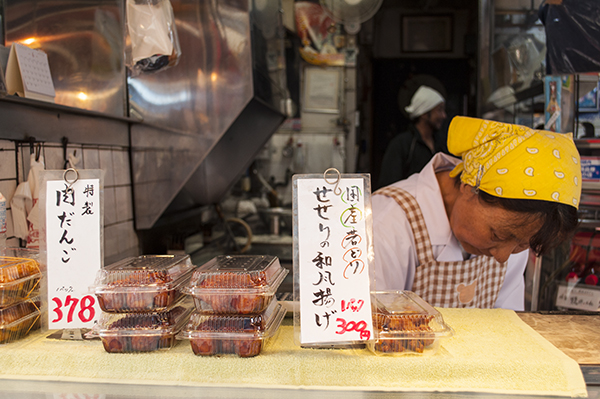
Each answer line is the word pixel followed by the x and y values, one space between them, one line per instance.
pixel 69 309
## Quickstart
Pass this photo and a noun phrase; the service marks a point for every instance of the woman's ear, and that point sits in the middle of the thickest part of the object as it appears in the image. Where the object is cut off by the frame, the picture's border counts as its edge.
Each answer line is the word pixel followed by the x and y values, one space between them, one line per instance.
pixel 468 190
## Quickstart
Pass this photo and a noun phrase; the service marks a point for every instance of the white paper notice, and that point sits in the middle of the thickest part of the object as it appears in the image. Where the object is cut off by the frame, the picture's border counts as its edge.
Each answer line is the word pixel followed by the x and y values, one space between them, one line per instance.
pixel 578 297
pixel 73 252
pixel 335 303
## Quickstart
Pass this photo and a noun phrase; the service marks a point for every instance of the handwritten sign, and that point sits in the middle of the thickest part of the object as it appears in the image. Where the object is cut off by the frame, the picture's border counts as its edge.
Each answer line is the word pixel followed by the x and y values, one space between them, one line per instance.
pixel 333 264
pixel 73 251
pixel 577 297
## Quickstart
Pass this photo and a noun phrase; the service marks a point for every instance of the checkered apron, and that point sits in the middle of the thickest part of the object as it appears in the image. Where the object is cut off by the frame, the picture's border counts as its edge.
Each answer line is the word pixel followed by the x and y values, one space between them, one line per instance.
pixel 473 283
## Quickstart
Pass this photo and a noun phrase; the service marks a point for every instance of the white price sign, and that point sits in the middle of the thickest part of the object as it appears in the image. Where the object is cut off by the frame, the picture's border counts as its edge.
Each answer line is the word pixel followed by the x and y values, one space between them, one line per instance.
pixel 576 297
pixel 73 251
pixel 335 304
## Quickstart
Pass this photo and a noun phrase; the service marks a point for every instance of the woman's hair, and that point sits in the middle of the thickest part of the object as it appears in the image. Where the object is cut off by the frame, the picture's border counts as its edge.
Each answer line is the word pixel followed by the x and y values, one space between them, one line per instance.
pixel 559 220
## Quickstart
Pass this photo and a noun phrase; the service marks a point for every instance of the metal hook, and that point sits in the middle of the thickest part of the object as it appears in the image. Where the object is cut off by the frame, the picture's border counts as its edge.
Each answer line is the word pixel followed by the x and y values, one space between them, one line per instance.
pixel 65 142
pixel 336 189
pixel 71 182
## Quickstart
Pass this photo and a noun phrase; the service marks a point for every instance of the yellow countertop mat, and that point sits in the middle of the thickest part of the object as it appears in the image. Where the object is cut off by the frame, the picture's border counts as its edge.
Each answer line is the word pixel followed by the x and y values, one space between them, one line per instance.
pixel 492 351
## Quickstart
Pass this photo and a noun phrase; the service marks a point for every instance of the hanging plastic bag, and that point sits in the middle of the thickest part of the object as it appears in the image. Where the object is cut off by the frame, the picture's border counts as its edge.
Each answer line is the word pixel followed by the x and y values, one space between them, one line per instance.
pixel 572 40
pixel 36 166
pixel 20 206
pixel 154 44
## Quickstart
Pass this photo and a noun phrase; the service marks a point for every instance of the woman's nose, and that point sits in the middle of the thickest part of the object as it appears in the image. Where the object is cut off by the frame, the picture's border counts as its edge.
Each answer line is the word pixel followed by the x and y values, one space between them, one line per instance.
pixel 501 253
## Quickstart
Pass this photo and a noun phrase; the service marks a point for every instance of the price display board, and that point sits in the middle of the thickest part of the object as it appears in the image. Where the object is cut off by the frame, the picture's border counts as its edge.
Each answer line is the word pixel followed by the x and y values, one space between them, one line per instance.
pixel 332 249
pixel 578 297
pixel 73 221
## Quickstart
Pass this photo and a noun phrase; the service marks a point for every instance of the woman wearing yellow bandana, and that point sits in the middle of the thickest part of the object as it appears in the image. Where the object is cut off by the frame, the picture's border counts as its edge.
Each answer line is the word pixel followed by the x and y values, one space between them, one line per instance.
pixel 458 233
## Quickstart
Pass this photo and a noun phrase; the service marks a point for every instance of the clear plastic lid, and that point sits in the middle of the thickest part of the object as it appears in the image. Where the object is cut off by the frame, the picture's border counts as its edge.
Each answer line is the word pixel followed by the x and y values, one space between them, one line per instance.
pixel 19 319
pixel 16 268
pixel 403 314
pixel 144 273
pixel 263 325
pixel 156 323
pixel 19 279
pixel 26 253
pixel 18 311
pixel 238 273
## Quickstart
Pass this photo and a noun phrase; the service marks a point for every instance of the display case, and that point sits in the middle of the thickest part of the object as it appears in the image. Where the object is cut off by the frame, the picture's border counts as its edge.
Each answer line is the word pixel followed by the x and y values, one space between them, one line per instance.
pixel 511 62
pixel 567 278
pixel 516 64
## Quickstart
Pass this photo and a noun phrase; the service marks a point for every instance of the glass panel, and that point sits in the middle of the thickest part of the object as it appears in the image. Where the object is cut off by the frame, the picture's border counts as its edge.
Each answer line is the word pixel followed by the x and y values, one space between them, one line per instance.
pixel 516 66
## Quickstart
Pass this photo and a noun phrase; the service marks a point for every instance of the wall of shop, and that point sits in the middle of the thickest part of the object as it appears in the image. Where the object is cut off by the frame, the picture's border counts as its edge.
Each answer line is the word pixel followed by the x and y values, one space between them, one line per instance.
pixel 120 238
pixel 315 138
pixel 175 129
pixel 388 38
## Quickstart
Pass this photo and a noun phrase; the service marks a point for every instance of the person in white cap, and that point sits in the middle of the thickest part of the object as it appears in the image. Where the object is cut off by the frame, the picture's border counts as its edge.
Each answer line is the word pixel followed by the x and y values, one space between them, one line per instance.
pixel 410 151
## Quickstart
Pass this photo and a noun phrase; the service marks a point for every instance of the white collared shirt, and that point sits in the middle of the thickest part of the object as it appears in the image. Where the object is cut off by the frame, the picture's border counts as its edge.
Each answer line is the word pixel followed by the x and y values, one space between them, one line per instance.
pixel 395 256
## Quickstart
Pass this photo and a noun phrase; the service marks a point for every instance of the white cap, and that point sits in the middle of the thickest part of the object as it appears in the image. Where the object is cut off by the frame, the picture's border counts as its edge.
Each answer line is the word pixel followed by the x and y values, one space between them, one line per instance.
pixel 424 100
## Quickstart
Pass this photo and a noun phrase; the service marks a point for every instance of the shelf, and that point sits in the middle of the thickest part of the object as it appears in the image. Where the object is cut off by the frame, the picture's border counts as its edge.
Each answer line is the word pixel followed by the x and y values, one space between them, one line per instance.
pixel 536 89
pixel 24 119
pixel 64 108
pixel 593 186
pixel 588 144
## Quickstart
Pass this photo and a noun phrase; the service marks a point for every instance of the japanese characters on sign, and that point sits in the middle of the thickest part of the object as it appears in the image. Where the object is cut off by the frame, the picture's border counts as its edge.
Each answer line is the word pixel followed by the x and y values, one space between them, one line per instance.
pixel 333 267
pixel 73 251
pixel 575 297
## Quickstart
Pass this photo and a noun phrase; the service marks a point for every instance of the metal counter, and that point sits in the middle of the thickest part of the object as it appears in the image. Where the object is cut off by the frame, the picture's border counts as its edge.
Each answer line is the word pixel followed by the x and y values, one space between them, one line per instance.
pixel 19 389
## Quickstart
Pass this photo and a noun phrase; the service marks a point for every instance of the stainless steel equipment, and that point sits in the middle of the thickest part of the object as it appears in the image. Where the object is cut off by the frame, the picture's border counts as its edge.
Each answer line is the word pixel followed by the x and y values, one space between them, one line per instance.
pixel 206 118
pixel 84 43
pixel 193 128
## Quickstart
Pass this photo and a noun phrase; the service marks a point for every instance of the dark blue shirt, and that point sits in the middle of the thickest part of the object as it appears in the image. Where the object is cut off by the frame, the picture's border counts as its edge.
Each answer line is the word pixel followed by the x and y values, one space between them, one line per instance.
pixel 399 162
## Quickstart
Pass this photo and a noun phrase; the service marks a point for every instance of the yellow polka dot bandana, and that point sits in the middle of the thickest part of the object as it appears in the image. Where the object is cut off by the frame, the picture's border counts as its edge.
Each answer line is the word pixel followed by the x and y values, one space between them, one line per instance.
pixel 513 161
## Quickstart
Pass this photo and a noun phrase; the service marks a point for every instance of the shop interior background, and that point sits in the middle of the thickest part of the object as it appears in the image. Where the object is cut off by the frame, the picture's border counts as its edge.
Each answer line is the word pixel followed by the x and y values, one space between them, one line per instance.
pixel 211 143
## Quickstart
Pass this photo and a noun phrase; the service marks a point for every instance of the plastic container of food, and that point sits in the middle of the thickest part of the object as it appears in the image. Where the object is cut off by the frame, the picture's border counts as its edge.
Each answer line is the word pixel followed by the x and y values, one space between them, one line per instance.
pixel 238 284
pixel 142 332
pixel 146 283
pixel 19 278
pixel 17 320
pixel 21 253
pixel 241 335
pixel 405 324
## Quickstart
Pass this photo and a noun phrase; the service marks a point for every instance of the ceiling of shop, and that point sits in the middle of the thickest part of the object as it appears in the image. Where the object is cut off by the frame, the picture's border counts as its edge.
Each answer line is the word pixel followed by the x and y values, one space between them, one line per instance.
pixel 428 5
